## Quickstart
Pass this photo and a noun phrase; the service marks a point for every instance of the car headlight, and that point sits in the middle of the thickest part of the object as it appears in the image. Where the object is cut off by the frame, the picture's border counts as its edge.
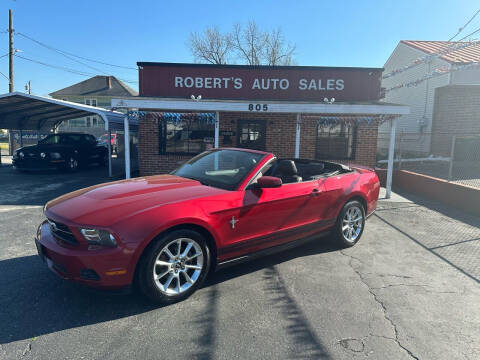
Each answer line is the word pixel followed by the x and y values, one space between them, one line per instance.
pixel 42 155
pixel 21 154
pixel 55 155
pixel 99 237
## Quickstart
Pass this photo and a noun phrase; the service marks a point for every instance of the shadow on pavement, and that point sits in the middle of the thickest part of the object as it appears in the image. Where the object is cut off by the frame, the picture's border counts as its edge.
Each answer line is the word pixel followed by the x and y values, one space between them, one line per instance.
pixel 37 188
pixel 206 322
pixel 308 346
pixel 446 210
pixel 34 302
pixel 448 233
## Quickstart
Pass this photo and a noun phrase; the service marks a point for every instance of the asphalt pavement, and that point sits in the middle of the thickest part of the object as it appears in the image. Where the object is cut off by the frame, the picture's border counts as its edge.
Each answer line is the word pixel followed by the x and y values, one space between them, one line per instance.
pixel 408 290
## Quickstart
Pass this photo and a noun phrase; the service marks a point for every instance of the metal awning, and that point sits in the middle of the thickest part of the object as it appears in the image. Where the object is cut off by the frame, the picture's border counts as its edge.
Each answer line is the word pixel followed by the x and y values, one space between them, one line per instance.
pixel 173 104
pixel 19 111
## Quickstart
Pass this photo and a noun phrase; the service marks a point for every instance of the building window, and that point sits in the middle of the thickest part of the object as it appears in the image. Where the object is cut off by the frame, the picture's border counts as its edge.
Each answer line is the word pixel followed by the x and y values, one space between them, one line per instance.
pixel 186 136
pixel 336 142
pixel 251 134
pixel 91 121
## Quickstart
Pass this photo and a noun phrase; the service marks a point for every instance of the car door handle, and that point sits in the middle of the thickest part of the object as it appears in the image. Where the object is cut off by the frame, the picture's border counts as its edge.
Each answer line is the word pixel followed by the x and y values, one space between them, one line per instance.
pixel 315 192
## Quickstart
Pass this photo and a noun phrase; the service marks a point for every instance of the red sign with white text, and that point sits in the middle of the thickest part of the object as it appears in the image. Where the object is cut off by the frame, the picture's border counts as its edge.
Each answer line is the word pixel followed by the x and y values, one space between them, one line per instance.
pixel 237 82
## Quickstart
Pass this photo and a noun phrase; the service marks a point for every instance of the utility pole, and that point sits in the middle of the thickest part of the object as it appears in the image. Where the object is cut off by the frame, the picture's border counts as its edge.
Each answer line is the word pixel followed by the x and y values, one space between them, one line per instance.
pixel 10 50
pixel 28 87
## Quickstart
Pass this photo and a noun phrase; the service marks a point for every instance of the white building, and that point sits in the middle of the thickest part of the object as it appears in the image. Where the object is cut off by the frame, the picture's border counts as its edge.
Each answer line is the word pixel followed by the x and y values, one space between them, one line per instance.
pixel 440 57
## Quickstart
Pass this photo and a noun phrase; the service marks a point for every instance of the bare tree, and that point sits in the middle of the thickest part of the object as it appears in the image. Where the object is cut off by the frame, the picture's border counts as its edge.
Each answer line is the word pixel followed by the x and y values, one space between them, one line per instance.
pixel 250 45
pixel 277 51
pixel 211 46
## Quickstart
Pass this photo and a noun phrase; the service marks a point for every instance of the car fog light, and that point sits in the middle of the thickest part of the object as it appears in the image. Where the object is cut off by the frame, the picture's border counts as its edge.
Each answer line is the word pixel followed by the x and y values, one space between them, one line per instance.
pixel 99 237
pixel 42 155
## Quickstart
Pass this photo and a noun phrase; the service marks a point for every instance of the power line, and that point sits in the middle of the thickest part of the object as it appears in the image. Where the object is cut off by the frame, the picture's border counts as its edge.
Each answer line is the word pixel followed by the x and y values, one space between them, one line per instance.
pixel 61 53
pixel 5 76
pixel 73 71
pixel 77 56
pixel 472 33
pixel 464 26
pixel 78 72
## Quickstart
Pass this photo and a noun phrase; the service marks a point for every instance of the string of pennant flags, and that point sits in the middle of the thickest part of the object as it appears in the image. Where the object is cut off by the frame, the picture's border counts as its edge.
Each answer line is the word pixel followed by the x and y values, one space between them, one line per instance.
pixel 174 117
pixel 210 118
pixel 435 73
pixel 326 121
pixel 428 58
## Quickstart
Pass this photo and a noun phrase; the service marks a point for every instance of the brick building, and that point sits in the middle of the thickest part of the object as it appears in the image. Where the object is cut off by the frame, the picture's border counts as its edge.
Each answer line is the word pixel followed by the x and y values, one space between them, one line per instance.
pixel 292 111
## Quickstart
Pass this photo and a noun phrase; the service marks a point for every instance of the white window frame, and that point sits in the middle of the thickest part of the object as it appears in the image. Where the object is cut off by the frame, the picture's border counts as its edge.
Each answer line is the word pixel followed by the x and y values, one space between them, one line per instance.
pixel 89 119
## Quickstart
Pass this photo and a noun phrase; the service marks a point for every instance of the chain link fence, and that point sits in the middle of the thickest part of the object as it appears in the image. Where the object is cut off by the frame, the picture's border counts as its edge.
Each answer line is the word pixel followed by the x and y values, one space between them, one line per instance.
pixel 450 156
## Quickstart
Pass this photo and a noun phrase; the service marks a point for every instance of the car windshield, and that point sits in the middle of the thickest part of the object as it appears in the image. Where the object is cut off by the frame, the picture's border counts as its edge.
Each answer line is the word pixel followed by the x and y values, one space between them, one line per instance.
pixel 52 139
pixel 224 169
pixel 60 139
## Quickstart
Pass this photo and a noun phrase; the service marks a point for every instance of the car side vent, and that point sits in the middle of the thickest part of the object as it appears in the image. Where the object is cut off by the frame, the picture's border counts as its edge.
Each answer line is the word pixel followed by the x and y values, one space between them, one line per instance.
pixel 62 232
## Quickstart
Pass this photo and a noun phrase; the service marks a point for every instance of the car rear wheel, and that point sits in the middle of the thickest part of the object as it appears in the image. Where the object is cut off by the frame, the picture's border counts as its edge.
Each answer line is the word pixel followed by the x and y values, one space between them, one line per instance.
pixel 350 224
pixel 174 266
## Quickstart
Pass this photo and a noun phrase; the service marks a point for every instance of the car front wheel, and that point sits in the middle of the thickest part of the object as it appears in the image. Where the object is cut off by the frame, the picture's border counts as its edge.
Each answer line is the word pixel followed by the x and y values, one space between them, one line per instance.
pixel 350 224
pixel 72 164
pixel 174 266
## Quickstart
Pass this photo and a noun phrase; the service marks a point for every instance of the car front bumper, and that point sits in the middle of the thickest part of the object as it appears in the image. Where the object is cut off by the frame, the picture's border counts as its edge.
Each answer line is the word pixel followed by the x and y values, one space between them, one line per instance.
pixel 37 164
pixel 107 268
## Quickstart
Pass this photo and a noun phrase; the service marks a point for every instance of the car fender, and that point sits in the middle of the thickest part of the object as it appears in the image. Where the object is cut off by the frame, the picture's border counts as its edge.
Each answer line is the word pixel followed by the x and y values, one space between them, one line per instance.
pixel 150 227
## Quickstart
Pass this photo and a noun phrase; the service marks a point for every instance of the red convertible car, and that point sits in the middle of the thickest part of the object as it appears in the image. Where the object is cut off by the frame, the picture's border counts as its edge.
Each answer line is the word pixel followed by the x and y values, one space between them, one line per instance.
pixel 166 232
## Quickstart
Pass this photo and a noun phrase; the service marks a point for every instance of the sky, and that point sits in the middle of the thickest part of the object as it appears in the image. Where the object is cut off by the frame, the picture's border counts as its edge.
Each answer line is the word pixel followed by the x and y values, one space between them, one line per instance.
pixel 122 32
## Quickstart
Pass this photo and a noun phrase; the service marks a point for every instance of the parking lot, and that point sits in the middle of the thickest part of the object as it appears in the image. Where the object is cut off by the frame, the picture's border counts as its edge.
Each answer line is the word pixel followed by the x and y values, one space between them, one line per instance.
pixel 408 290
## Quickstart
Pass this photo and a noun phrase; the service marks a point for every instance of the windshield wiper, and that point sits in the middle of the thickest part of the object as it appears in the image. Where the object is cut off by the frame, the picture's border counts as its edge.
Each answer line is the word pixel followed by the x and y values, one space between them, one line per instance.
pixel 192 178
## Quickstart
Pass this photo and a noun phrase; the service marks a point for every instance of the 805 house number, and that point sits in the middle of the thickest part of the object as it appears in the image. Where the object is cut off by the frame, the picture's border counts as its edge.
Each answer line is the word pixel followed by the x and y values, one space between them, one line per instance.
pixel 258 107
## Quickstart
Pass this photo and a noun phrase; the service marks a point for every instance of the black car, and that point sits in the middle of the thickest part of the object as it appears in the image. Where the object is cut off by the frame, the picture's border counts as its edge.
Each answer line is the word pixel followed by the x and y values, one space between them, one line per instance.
pixel 61 151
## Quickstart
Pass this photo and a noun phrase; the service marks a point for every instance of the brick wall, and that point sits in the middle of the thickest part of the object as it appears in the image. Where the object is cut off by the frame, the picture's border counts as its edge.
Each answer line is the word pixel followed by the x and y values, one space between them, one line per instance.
pixel 280 139
pixel 280 129
pixel 456 111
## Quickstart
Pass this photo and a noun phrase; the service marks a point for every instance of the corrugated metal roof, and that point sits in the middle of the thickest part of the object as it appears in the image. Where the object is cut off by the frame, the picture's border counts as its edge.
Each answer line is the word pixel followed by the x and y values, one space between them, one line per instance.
pixel 31 112
pixel 465 54
pixel 98 85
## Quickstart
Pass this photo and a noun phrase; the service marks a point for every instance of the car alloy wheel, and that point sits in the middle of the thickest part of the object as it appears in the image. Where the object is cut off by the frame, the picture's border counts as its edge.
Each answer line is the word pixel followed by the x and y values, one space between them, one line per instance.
pixel 72 164
pixel 352 224
pixel 178 266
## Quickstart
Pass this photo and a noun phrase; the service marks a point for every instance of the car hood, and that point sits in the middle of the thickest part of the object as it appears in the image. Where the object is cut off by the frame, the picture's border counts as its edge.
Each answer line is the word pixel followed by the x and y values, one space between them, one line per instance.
pixel 109 203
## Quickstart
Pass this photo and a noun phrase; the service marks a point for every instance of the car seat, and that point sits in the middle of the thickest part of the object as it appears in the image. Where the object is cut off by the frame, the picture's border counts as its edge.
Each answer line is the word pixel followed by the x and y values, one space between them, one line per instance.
pixel 287 171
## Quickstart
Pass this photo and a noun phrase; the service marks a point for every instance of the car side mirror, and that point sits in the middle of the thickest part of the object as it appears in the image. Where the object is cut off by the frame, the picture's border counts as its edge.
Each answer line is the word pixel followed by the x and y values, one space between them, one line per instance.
pixel 269 182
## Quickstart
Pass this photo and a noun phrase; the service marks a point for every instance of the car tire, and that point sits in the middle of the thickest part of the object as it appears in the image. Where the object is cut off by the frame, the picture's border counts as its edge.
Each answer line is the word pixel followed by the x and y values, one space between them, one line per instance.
pixel 350 224
pixel 165 279
pixel 71 164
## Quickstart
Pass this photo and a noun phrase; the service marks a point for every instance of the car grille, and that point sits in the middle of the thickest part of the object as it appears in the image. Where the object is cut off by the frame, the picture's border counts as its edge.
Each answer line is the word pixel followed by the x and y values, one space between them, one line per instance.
pixel 31 155
pixel 62 232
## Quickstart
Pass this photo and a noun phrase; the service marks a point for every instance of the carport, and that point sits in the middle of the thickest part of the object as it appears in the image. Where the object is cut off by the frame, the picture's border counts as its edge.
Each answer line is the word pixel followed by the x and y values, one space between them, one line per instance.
pixel 19 111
